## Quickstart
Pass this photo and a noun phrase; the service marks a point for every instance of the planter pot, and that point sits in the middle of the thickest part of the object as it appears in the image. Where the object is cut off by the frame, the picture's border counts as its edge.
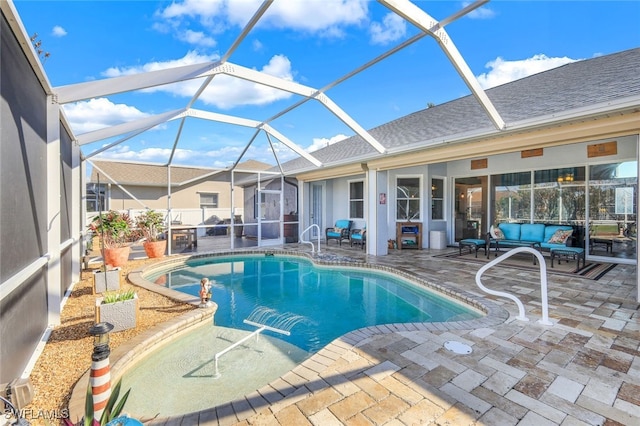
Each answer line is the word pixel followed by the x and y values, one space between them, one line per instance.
pixel 115 257
pixel 123 315
pixel 106 280
pixel 155 249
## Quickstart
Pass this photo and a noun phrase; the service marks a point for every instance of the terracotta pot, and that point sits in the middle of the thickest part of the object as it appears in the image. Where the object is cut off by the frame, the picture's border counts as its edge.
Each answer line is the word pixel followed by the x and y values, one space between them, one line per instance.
pixel 155 248
pixel 116 256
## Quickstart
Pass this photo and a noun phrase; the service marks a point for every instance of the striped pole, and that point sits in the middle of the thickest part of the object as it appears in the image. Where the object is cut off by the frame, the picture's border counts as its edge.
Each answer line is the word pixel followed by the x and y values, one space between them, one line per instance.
pixel 100 375
pixel 100 379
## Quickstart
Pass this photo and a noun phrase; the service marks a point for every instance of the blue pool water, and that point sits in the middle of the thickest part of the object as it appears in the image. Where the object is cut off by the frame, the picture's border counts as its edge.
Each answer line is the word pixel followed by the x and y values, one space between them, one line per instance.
pixel 315 303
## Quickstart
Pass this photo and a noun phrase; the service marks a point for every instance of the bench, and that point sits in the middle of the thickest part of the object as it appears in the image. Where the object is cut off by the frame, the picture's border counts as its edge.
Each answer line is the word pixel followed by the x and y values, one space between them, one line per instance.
pixel 574 252
pixel 473 244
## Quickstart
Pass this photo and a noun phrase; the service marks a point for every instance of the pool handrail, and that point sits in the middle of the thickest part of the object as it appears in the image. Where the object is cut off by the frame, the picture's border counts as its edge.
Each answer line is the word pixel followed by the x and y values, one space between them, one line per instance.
pixel 303 241
pixel 262 327
pixel 543 284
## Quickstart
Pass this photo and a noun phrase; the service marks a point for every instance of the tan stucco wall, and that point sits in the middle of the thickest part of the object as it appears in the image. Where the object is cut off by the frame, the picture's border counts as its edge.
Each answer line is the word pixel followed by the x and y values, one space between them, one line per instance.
pixel 184 197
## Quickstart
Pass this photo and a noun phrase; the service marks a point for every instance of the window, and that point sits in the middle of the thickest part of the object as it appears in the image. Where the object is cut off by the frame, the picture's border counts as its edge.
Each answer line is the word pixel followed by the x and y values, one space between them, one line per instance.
pixel 356 200
pixel 511 197
pixel 96 198
pixel 613 190
pixel 408 199
pixel 437 199
pixel 559 195
pixel 208 200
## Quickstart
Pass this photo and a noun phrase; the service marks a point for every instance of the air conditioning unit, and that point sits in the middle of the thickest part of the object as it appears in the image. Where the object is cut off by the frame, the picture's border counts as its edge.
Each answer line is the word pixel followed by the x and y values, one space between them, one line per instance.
pixel 18 391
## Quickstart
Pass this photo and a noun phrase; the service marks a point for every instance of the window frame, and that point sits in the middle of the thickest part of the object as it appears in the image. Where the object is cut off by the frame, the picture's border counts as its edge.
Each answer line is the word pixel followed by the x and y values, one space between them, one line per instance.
pixel 213 205
pixel 441 199
pixel 415 218
pixel 358 200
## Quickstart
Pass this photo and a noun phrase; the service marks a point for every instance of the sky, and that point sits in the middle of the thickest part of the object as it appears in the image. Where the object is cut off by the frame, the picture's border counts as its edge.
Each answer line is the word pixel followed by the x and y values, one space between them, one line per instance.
pixel 313 43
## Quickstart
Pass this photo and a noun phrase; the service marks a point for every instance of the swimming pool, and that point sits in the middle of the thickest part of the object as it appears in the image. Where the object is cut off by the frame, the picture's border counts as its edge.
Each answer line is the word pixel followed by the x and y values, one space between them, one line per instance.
pixel 316 303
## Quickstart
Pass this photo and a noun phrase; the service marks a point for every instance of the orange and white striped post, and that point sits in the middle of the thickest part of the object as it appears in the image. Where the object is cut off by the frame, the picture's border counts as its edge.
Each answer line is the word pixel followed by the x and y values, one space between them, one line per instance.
pixel 100 380
pixel 100 375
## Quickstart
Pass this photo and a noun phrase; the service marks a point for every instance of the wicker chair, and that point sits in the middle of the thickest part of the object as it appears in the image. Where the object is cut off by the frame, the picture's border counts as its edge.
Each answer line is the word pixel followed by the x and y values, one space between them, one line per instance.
pixel 340 231
pixel 358 236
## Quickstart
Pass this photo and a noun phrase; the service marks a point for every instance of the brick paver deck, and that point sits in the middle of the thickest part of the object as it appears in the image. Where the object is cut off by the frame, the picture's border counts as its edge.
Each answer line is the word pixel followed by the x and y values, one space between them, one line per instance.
pixel 583 370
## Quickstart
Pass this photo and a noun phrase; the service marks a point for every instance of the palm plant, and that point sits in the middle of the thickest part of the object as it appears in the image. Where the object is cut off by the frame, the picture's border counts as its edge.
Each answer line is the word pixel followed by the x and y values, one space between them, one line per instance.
pixel 111 411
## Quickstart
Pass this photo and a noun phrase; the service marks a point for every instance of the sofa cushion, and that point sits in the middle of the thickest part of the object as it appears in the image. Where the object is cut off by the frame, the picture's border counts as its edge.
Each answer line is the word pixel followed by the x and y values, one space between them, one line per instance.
pixel 343 223
pixel 511 231
pixel 550 230
pixel 532 232
pixel 560 236
pixel 496 233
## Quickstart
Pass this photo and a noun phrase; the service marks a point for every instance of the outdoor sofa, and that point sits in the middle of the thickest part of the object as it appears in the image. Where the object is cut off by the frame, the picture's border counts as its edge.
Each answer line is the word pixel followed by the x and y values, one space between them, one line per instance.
pixel 555 239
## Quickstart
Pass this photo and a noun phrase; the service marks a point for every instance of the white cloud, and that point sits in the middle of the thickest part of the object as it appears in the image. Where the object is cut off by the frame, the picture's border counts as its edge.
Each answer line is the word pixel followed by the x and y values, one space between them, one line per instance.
pixel 257 45
pixel 151 155
pixel 197 38
pixel 392 28
pixel 482 12
pixel 224 92
pixel 192 57
pixel 94 114
pixel 58 31
pixel 319 143
pixel 505 71
pixel 223 153
pixel 329 18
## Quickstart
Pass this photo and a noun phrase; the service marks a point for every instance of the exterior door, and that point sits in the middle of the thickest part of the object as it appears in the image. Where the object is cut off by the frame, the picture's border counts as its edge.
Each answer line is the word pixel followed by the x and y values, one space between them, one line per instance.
pixel 317 208
pixel 470 207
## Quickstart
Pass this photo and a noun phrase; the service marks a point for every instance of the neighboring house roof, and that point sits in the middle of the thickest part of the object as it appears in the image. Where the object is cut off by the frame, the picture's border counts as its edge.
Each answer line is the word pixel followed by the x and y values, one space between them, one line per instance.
pixel 126 173
pixel 582 88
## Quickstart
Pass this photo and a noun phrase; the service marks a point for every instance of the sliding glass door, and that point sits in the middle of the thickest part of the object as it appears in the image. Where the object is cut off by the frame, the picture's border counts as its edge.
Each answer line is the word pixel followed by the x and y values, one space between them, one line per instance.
pixel 613 197
pixel 599 201
pixel 470 207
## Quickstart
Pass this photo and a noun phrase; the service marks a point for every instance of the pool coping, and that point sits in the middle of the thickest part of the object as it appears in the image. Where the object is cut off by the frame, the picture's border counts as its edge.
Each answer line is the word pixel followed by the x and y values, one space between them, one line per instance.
pixel 123 357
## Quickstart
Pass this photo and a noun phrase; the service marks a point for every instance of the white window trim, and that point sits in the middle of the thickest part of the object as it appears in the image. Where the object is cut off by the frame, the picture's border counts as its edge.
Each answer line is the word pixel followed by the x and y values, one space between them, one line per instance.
pixel 421 192
pixel 201 193
pixel 444 198
pixel 349 199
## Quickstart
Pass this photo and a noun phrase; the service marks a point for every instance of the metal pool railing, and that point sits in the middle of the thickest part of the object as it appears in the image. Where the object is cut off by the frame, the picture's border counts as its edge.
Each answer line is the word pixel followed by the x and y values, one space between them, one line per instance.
pixel 543 283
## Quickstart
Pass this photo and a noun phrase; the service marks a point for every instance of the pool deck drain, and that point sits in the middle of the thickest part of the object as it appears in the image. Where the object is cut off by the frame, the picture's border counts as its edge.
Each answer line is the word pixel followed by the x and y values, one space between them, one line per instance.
pixel 457 347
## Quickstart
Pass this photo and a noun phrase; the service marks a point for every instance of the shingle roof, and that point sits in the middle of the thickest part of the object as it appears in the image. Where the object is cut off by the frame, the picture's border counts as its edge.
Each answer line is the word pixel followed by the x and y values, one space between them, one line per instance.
pixel 126 173
pixel 576 85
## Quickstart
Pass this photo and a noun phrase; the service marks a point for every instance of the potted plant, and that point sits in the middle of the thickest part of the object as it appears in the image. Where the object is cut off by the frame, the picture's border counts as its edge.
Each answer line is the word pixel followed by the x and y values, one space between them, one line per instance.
pixel 119 308
pixel 114 229
pixel 151 225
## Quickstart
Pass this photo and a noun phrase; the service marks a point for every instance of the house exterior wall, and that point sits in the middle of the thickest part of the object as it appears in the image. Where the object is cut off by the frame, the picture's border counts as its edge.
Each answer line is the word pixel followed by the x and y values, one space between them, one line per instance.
pixel 554 156
pixel 183 197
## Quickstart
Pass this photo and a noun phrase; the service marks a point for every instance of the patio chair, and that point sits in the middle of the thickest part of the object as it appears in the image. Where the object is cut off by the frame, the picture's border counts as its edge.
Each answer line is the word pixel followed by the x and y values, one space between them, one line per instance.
pixel 358 236
pixel 340 231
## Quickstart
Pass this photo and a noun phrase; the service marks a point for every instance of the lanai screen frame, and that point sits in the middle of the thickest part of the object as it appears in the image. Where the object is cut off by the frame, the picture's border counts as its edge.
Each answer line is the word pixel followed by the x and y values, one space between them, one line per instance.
pixel 404 8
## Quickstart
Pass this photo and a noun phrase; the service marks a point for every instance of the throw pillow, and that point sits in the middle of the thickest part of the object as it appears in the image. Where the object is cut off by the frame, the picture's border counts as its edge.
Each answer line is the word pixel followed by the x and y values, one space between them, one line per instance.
pixel 496 233
pixel 337 230
pixel 560 236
